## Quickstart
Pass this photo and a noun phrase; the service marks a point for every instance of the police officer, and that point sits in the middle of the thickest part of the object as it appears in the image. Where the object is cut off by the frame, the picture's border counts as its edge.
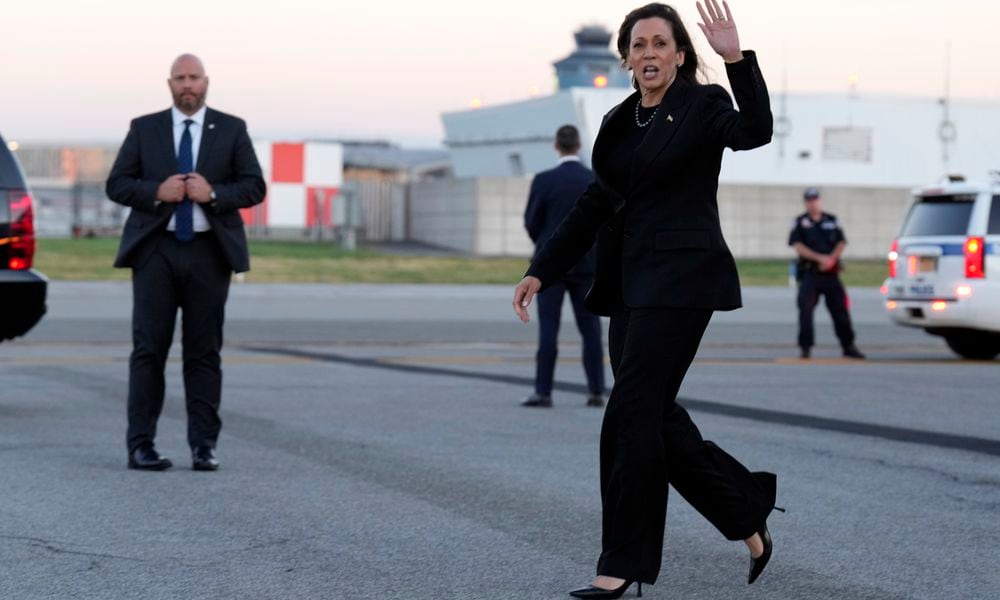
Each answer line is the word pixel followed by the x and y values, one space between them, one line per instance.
pixel 817 238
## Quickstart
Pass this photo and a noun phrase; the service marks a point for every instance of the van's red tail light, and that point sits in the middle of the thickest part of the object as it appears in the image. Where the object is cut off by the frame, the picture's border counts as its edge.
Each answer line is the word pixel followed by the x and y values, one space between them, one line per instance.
pixel 893 256
pixel 975 253
pixel 21 252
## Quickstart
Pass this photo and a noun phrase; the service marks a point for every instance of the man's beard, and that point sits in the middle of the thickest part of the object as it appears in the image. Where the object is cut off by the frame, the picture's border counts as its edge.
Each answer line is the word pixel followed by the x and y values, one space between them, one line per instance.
pixel 189 101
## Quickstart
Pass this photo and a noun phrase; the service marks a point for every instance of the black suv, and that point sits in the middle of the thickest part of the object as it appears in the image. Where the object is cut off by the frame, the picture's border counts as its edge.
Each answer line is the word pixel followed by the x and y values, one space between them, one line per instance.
pixel 22 289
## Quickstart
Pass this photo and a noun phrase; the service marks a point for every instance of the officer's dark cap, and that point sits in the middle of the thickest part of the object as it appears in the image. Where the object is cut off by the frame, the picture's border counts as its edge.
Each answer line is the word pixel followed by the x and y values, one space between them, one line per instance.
pixel 811 193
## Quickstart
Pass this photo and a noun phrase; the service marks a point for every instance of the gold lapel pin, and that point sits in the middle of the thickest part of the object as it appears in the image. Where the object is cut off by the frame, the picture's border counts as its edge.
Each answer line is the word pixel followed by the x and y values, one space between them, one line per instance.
pixel 670 118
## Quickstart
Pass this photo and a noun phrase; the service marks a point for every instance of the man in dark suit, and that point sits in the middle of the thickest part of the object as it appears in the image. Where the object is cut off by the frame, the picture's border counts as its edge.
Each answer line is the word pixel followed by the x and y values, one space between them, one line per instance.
pixel 185 173
pixel 553 195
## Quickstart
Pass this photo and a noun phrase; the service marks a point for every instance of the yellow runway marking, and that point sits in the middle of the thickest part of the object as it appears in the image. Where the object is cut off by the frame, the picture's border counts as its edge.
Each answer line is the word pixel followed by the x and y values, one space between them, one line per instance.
pixel 458 360
pixel 451 360
pixel 782 361
pixel 108 360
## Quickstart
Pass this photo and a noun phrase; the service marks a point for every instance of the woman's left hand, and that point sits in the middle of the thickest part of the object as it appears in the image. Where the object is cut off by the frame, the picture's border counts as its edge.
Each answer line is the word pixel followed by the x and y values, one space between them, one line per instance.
pixel 720 29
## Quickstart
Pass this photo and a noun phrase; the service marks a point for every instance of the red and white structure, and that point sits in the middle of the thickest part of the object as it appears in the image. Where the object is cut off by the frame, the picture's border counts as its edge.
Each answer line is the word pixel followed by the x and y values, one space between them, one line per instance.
pixel 303 185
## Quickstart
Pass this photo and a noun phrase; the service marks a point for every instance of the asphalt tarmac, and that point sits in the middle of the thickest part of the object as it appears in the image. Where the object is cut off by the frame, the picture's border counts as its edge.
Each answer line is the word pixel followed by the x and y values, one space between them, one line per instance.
pixel 373 447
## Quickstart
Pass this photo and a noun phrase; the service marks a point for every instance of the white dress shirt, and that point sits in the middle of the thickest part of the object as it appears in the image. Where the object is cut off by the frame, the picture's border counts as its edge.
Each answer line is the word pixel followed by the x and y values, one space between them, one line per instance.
pixel 200 222
pixel 570 158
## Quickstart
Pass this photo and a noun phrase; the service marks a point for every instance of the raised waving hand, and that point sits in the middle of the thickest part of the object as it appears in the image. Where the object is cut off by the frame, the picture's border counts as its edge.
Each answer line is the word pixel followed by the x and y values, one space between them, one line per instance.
pixel 720 30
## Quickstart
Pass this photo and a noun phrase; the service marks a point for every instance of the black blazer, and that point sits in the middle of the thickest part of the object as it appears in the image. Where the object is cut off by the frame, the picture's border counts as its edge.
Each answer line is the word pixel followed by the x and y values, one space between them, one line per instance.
pixel 659 242
pixel 553 195
pixel 225 158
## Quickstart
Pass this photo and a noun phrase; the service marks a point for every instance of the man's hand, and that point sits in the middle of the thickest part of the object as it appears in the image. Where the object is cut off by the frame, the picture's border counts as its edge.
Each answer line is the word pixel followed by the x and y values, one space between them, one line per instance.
pixel 198 188
pixel 827 262
pixel 172 189
pixel 523 294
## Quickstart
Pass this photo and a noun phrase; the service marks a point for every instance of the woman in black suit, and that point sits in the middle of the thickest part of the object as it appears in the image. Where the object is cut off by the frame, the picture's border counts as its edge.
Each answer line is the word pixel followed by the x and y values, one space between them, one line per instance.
pixel 662 269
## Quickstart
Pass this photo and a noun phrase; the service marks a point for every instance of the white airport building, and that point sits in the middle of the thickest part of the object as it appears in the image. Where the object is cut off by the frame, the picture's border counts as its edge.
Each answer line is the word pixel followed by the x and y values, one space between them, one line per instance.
pixel 866 152
pixel 820 139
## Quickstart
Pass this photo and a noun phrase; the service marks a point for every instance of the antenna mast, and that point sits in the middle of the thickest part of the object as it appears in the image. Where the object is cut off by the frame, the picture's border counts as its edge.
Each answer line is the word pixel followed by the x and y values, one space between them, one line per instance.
pixel 947 133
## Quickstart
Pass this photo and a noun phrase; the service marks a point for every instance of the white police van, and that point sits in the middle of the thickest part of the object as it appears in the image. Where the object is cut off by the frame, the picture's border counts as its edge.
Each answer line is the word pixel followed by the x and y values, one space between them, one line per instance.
pixel 944 267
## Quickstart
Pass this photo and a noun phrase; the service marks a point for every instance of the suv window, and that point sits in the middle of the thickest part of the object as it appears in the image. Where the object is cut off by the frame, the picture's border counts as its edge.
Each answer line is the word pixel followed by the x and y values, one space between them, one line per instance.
pixel 994 226
pixel 939 215
pixel 10 175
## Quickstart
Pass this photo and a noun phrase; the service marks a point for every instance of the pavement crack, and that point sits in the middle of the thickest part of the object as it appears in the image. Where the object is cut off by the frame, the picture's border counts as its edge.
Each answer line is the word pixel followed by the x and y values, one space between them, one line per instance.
pixel 983 504
pixel 59 548
pixel 951 477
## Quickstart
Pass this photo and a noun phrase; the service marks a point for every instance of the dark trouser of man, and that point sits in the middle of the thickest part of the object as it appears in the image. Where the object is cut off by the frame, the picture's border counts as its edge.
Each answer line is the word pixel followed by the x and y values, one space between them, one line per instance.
pixel 193 276
pixel 648 441
pixel 550 304
pixel 812 286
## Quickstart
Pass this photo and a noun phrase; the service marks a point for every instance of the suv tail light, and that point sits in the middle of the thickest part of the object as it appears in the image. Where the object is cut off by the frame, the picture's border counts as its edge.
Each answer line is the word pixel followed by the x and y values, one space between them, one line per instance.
pixel 21 251
pixel 893 256
pixel 974 257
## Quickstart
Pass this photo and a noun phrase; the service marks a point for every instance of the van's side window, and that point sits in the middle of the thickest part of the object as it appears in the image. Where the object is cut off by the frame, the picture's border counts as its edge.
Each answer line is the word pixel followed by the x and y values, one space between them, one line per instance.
pixel 994 226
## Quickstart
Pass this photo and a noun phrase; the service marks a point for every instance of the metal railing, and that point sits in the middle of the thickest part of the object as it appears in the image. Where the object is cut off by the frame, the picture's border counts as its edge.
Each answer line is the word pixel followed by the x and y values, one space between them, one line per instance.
pixel 75 210
pixel 365 211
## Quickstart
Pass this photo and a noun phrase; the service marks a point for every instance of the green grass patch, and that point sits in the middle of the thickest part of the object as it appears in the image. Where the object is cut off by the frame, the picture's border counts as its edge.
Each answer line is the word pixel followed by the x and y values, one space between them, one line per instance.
pixel 82 259
pixel 858 273
pixel 300 262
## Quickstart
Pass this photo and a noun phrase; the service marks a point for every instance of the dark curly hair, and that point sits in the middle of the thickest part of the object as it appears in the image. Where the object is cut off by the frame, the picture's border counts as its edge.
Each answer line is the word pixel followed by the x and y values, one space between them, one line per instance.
pixel 689 70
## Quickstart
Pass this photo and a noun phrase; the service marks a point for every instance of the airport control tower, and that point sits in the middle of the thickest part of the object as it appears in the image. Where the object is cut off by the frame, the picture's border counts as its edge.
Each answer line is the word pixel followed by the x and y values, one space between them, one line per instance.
pixel 592 64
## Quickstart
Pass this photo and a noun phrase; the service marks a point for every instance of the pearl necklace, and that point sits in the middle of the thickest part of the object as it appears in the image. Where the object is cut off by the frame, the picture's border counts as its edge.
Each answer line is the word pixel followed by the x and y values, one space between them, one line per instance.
pixel 651 117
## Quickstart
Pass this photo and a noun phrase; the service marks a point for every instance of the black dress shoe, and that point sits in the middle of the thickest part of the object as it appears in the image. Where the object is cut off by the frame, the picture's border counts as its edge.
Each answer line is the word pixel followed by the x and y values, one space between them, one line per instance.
pixel 853 352
pixel 805 353
pixel 146 458
pixel 595 400
pixel 203 459
pixel 537 401
pixel 595 593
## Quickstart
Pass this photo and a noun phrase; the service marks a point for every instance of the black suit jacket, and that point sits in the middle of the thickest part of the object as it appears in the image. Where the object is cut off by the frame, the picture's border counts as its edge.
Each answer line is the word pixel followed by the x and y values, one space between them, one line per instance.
pixel 659 241
pixel 553 195
pixel 225 158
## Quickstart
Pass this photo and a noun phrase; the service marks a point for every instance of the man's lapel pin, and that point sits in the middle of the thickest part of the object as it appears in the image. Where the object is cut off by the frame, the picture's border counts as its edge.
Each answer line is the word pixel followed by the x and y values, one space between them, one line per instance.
pixel 670 118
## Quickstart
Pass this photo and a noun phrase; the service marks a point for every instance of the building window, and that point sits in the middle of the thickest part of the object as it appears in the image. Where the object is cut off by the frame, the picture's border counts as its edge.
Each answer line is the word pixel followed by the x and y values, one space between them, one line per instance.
pixel 850 144
pixel 516 165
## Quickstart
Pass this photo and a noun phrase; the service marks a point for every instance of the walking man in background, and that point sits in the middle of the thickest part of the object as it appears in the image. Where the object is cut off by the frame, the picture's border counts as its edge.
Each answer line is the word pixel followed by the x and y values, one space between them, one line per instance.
pixel 819 241
pixel 553 195
pixel 185 173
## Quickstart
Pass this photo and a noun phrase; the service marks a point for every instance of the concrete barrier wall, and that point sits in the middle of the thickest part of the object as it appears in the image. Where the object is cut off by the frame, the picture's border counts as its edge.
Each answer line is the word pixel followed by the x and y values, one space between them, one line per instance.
pixel 500 226
pixel 484 216
pixel 445 213
pixel 756 219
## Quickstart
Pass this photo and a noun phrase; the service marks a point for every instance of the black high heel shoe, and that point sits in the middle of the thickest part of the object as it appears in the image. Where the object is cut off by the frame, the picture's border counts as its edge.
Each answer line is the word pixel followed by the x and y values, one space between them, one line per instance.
pixel 757 564
pixel 769 485
pixel 595 593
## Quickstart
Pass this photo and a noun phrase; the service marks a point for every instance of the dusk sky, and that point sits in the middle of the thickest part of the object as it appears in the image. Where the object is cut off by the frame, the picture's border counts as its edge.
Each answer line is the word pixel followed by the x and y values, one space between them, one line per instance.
pixel 386 69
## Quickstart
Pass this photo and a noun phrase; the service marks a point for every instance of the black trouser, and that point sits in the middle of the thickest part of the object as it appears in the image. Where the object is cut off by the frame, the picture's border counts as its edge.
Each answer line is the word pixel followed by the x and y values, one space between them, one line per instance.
pixel 648 441
pixel 550 304
pixel 828 285
pixel 193 276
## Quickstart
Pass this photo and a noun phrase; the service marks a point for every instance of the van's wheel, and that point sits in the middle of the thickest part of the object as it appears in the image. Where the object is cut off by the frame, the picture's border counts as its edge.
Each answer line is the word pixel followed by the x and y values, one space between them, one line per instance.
pixel 976 346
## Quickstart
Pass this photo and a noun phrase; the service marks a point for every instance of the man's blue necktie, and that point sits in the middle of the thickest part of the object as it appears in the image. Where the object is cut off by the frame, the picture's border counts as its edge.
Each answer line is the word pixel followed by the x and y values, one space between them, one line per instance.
pixel 184 216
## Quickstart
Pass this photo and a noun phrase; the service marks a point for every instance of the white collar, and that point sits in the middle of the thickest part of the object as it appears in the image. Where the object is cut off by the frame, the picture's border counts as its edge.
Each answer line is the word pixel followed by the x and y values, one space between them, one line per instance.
pixel 178 117
pixel 571 158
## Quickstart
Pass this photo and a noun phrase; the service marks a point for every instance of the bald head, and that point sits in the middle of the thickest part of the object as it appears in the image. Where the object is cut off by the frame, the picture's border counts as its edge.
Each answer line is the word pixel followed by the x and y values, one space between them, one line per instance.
pixel 188 83
pixel 186 62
